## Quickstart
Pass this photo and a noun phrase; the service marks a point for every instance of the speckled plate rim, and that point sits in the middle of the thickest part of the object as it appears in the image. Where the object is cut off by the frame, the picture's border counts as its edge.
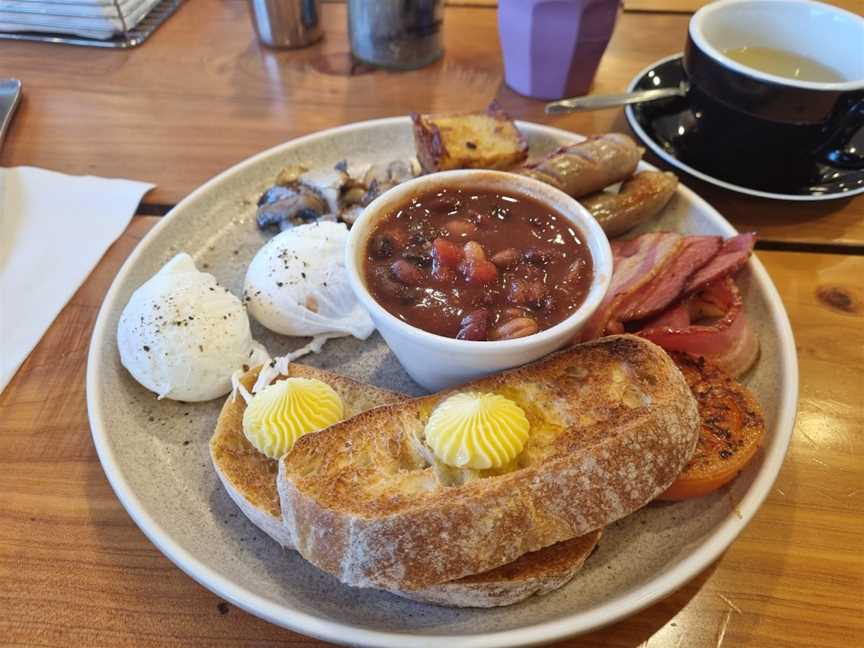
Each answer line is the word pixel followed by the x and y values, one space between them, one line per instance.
pixel 630 113
pixel 592 618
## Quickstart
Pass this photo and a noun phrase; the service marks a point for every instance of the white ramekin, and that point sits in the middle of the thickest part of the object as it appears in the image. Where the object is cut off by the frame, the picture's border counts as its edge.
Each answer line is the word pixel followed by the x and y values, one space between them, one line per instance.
pixel 436 362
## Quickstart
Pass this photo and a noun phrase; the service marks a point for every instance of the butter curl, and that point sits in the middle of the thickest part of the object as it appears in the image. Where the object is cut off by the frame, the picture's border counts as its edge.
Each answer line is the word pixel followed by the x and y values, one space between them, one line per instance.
pixel 287 409
pixel 477 430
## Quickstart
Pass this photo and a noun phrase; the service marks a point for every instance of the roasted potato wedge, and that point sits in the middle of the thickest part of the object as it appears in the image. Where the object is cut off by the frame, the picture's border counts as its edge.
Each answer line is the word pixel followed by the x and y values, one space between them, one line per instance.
pixel 487 140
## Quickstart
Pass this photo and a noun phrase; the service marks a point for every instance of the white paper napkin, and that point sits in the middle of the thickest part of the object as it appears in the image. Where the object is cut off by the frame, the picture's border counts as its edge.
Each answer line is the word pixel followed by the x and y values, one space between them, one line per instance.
pixel 54 228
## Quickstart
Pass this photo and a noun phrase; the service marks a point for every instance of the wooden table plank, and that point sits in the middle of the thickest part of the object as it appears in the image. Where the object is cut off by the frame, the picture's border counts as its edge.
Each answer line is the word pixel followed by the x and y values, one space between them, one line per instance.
pixel 76 570
pixel 832 222
pixel 202 95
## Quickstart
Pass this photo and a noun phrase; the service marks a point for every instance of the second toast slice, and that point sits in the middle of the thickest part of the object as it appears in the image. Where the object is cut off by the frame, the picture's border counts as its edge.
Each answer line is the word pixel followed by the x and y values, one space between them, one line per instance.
pixel 248 476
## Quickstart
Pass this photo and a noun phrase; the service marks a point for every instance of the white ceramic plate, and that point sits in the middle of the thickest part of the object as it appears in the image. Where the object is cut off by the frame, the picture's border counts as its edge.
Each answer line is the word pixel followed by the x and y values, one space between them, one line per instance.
pixel 155 453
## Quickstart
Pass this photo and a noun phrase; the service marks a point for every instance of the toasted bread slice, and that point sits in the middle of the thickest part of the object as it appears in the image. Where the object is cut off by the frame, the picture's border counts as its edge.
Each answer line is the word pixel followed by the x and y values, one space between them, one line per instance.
pixel 487 140
pixel 612 424
pixel 249 476
pixel 250 480
pixel 533 574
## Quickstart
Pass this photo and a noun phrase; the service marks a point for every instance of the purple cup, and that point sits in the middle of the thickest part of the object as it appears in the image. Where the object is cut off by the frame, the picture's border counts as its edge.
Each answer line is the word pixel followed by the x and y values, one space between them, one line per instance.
pixel 552 47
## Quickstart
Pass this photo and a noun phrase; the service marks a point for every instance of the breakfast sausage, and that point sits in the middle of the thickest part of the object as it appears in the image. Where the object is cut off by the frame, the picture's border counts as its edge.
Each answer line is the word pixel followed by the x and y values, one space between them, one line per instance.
pixel 587 167
pixel 640 199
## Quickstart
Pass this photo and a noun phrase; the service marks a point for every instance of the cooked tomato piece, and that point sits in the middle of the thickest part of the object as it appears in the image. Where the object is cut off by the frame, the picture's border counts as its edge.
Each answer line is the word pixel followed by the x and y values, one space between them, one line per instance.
pixel 443 274
pixel 446 253
pixel 731 432
pixel 479 272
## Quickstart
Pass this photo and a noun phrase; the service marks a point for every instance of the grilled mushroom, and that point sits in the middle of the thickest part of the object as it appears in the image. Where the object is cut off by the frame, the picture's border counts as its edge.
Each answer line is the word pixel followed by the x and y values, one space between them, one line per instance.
pixel 381 177
pixel 288 207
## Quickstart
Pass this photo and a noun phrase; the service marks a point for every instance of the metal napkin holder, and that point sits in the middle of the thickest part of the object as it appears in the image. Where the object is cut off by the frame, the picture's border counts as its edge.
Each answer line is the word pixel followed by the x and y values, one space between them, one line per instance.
pixel 128 37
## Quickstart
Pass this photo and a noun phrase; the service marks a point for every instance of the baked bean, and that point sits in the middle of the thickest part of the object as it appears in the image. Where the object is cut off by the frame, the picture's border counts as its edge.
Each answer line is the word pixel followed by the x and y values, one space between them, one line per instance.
pixel 519 292
pixel 397 291
pixel 444 204
pixel 537 293
pixel 509 313
pixel 460 228
pixel 474 252
pixel 538 257
pixel 382 246
pixel 507 258
pixel 475 268
pixel 480 219
pixel 419 254
pixel 407 273
pixel 514 328
pixel 473 326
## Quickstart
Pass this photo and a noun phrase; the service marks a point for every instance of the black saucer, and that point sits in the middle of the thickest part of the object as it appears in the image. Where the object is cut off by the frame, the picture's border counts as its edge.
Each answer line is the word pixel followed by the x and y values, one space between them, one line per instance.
pixel 666 127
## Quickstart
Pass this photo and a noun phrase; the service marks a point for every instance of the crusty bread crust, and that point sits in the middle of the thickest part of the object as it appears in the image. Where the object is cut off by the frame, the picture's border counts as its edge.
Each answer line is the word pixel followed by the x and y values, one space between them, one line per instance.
pixel 533 574
pixel 248 476
pixel 613 423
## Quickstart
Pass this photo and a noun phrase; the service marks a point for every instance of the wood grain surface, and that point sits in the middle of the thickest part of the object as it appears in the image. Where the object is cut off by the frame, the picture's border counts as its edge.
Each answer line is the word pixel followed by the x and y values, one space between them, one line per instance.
pixel 76 571
pixel 203 94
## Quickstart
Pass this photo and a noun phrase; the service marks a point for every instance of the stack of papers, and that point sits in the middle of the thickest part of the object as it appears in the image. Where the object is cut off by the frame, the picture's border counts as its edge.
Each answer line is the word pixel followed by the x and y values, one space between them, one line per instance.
pixel 100 19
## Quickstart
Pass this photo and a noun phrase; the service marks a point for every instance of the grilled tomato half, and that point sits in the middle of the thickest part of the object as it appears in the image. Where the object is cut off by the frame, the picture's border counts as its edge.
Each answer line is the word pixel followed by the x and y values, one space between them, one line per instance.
pixel 732 429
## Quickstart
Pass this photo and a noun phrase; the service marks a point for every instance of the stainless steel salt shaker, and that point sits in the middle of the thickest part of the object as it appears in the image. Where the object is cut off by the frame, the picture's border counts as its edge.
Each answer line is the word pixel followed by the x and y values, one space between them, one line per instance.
pixel 287 23
pixel 399 34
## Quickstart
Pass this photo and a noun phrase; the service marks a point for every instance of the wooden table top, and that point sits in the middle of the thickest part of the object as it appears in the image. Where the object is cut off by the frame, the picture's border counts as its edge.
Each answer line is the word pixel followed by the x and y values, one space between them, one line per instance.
pixel 112 113
pixel 201 96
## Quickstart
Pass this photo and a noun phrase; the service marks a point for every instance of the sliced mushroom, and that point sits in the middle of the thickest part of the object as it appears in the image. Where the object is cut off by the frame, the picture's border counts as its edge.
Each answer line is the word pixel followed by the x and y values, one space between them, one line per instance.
pixel 290 176
pixel 285 207
pixel 383 176
pixel 353 193
pixel 294 201
pixel 301 196
pixel 275 194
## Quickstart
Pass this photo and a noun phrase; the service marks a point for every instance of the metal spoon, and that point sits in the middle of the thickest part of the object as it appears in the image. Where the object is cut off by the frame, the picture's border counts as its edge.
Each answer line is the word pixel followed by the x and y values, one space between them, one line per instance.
pixel 10 95
pixel 598 102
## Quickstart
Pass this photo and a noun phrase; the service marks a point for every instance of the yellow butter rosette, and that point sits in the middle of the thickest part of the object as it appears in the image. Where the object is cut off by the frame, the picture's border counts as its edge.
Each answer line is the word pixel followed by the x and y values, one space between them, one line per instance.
pixel 477 430
pixel 284 411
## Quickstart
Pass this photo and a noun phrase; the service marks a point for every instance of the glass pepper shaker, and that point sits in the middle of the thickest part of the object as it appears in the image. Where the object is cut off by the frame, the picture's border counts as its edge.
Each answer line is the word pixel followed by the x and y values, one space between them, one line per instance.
pixel 396 34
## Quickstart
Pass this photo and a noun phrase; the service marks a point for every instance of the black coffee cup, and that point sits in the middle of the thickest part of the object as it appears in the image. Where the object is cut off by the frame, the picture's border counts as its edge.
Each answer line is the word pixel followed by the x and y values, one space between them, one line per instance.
pixel 752 124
